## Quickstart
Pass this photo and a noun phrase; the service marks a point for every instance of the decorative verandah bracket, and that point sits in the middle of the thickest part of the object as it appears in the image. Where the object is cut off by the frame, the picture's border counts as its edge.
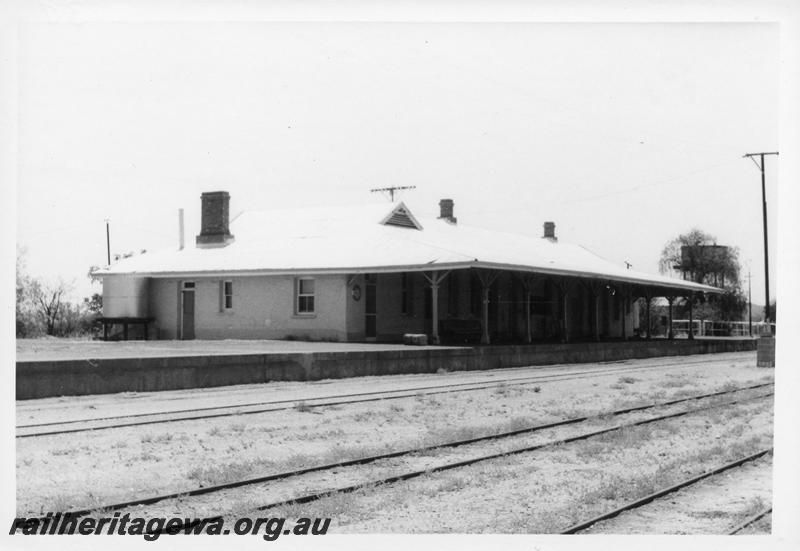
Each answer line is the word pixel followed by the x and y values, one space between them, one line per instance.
pixel 527 281
pixel 690 299
pixel 487 278
pixel 626 292
pixel 595 288
pixel 434 280
pixel 670 301
pixel 648 297
pixel 564 286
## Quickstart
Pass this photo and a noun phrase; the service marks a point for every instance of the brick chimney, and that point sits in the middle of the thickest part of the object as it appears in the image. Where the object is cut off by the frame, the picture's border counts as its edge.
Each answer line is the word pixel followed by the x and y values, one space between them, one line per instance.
pixel 446 211
pixel 550 231
pixel 214 219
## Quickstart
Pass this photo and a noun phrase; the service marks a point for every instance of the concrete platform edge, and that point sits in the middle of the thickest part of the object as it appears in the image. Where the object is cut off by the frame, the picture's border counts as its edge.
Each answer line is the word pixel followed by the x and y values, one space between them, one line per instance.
pixel 44 379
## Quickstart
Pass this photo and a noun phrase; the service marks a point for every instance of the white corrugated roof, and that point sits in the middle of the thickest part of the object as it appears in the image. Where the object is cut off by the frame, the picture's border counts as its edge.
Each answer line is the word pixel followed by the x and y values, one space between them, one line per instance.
pixel 353 239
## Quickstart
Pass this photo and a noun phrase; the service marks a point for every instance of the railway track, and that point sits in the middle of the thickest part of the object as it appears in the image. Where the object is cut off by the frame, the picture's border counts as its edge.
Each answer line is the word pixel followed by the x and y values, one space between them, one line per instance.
pixel 630 506
pixel 193 414
pixel 150 500
pixel 749 521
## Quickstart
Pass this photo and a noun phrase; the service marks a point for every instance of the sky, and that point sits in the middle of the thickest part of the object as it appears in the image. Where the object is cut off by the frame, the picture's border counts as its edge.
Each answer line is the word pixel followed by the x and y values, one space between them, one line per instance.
pixel 625 135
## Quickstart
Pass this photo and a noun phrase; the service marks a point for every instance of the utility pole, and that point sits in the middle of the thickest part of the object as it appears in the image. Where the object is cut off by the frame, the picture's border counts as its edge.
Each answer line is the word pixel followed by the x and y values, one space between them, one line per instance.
pixel 391 190
pixel 749 304
pixel 766 240
pixel 108 244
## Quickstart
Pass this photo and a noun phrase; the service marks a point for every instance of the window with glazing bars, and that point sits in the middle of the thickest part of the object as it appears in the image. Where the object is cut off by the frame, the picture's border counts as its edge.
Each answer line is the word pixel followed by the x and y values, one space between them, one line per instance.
pixel 305 296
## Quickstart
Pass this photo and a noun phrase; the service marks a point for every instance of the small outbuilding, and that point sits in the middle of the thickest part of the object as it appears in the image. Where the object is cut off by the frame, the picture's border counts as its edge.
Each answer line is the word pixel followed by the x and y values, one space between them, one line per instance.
pixel 376 273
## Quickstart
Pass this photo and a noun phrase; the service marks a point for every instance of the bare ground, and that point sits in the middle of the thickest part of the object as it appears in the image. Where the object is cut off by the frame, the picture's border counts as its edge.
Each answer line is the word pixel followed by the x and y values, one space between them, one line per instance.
pixel 65 472
pixel 713 506
pixel 548 490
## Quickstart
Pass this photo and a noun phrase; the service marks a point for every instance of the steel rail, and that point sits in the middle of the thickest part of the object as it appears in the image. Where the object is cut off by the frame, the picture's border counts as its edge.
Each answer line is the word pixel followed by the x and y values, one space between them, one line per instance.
pixel 601 370
pixel 414 474
pixel 749 520
pixel 361 461
pixel 517 380
pixel 660 493
pixel 295 402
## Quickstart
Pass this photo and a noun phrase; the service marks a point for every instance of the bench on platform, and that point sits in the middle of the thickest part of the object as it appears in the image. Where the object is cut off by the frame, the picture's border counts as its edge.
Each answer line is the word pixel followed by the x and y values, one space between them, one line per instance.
pixel 416 339
pixel 125 321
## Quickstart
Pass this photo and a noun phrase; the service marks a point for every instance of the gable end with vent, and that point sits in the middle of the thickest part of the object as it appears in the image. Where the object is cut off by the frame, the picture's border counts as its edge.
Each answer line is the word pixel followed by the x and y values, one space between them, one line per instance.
pixel 402 217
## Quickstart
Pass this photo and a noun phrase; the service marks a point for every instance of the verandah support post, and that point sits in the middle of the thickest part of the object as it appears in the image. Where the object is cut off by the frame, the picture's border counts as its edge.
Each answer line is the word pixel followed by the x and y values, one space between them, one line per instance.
pixel 595 288
pixel 670 334
pixel 435 279
pixel 527 286
pixel 625 291
pixel 648 297
pixel 690 298
pixel 435 312
pixel 563 285
pixel 486 278
pixel 596 300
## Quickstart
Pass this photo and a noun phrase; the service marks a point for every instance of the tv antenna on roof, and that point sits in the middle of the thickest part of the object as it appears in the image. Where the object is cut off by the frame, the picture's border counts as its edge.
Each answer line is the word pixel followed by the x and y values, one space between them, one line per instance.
pixel 391 190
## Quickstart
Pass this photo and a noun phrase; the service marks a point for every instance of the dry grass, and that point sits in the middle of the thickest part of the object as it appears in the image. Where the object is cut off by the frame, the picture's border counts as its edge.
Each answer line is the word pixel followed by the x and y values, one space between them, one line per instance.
pixel 603 491
pixel 64 451
pixel 754 506
pixel 675 381
pixel 730 386
pixel 439 435
pixel 228 472
pixel 148 456
pixel 352 505
pixel 337 433
pixel 502 390
pixel 222 473
pixel 449 483
pixel 62 503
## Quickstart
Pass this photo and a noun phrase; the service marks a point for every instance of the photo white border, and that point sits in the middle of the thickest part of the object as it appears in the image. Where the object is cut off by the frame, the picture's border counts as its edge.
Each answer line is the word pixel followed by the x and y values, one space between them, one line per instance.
pixel 786 13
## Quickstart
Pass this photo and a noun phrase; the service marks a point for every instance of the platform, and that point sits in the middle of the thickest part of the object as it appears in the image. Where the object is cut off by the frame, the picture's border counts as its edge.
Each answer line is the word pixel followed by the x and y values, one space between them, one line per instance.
pixel 200 364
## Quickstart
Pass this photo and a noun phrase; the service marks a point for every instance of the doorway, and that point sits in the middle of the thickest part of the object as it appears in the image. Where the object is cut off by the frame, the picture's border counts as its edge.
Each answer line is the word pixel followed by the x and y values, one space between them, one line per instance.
pixel 187 310
pixel 370 307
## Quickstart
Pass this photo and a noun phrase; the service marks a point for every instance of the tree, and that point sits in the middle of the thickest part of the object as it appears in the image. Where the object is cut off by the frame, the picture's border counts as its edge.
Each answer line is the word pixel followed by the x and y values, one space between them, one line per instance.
pixel 94 303
pixel 696 254
pixel 49 303
pixel 691 254
pixel 24 307
pixel 42 307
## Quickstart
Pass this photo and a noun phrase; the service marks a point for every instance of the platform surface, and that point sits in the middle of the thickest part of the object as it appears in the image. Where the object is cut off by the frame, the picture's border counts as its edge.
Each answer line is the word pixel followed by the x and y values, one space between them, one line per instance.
pixel 51 349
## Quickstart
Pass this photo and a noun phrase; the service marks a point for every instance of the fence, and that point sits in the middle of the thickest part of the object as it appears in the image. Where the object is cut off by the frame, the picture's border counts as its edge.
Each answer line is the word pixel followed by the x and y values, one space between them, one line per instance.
pixel 708 328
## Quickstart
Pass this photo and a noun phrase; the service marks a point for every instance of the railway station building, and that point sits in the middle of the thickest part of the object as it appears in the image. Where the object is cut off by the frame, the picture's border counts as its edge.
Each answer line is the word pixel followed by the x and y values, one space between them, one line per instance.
pixel 376 273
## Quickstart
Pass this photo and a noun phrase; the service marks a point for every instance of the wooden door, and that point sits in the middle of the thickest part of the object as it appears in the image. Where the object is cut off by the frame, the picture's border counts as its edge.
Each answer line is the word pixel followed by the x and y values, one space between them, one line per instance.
pixel 370 307
pixel 187 313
